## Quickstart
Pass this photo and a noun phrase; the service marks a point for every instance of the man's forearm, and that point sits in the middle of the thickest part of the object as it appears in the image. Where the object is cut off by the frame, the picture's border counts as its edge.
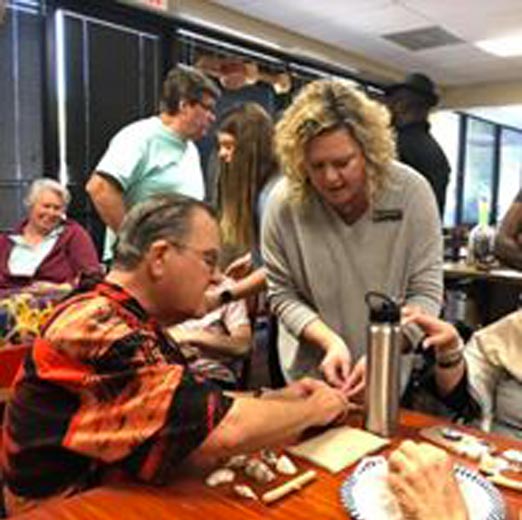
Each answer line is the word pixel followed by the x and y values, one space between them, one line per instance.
pixel 107 198
pixel 252 424
pixel 111 213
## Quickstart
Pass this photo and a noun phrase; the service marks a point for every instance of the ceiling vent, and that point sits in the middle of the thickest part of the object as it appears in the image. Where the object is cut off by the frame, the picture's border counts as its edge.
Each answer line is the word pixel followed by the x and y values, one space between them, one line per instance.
pixel 425 38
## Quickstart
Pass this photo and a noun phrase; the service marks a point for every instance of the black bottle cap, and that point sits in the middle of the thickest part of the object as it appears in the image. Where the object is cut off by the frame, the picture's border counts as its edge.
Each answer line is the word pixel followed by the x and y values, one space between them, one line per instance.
pixel 383 309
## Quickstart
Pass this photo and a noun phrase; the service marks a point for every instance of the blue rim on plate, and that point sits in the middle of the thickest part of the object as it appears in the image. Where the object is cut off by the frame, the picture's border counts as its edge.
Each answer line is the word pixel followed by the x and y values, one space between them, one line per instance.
pixel 496 512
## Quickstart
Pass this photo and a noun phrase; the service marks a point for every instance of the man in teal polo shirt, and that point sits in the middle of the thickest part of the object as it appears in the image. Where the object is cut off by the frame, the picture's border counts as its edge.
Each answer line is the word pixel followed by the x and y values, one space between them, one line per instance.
pixel 156 154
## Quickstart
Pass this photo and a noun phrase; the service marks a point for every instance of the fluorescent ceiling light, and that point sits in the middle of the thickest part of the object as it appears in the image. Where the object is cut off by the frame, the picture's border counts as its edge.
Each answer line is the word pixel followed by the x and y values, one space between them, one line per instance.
pixel 505 47
pixel 232 32
pixel 225 45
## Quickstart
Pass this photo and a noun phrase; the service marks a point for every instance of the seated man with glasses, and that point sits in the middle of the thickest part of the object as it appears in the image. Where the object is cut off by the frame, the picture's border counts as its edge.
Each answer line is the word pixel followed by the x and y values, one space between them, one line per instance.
pixel 156 154
pixel 104 390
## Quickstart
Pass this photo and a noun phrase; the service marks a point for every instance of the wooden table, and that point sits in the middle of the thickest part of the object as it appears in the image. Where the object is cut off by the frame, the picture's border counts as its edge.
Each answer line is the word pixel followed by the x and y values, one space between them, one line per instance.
pixel 187 498
pixel 456 270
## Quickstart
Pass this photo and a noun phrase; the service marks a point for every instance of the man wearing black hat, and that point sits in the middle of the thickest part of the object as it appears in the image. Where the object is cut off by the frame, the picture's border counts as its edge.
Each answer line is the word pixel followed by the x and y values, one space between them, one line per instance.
pixel 410 102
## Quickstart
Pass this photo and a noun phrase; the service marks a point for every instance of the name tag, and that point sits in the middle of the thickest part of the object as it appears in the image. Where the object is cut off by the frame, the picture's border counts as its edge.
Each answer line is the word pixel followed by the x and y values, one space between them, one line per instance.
pixel 381 215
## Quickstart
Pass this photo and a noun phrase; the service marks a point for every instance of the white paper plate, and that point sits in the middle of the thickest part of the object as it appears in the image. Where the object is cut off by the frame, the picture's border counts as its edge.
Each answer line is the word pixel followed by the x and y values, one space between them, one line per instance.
pixel 366 496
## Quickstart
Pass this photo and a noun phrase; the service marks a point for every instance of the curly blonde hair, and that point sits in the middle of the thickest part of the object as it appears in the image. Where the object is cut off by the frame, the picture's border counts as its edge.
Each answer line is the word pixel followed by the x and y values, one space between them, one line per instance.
pixel 326 105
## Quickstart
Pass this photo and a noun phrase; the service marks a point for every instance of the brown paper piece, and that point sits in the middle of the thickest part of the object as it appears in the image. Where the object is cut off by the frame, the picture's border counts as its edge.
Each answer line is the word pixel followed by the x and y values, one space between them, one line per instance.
pixel 339 447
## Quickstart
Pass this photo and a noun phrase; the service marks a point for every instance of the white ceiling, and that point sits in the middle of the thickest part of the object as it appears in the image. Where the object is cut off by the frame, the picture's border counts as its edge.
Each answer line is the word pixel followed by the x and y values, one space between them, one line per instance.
pixel 357 26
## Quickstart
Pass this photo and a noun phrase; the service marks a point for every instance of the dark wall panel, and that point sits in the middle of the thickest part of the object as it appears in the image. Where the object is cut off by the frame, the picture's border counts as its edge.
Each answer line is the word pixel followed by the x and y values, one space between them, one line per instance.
pixel 7 99
pixel 21 149
pixel 114 84
pixel 151 76
pixel 30 95
pixel 111 80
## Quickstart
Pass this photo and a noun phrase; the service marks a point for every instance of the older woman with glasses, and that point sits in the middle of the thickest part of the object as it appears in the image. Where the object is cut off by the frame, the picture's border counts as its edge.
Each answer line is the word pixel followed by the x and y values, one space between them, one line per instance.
pixel 46 246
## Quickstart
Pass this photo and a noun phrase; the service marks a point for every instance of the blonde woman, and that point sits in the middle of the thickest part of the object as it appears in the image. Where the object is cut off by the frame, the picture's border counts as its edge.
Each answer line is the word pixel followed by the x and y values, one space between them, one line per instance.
pixel 347 218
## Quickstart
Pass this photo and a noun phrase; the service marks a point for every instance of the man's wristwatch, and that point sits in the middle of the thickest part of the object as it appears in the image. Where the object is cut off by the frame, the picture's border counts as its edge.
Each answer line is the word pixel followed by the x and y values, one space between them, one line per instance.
pixel 225 296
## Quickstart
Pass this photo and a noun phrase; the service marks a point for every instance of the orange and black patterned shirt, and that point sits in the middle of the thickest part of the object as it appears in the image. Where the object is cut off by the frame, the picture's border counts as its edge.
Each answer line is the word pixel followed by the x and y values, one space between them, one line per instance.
pixel 102 388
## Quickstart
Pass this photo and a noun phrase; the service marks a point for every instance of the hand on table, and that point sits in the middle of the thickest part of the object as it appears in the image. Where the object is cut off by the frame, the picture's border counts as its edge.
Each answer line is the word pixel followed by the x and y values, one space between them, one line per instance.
pixel 328 405
pixel 302 388
pixel 422 480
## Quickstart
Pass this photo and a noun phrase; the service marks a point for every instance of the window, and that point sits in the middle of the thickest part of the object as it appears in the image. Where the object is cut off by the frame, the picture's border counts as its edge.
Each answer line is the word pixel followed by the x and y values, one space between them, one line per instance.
pixel 479 167
pixel 510 169
pixel 445 129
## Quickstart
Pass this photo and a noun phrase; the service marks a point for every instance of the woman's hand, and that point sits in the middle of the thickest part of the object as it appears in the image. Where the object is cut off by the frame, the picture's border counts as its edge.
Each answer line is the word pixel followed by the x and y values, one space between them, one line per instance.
pixel 439 334
pixel 422 480
pixel 356 383
pixel 240 267
pixel 336 364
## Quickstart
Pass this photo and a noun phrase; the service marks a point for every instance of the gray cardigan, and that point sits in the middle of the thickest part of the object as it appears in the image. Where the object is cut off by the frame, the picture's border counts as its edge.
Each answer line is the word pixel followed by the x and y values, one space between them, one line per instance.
pixel 319 266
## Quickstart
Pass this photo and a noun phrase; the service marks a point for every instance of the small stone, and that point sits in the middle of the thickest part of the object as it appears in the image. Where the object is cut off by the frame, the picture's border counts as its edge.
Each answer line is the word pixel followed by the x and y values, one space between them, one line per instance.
pixel 220 476
pixel 285 466
pixel 269 456
pixel 514 456
pixel 237 461
pixel 451 434
pixel 259 471
pixel 245 491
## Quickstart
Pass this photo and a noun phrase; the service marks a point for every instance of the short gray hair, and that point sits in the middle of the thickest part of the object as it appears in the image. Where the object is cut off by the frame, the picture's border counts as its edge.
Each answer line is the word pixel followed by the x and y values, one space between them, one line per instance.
pixel 185 83
pixel 38 186
pixel 165 217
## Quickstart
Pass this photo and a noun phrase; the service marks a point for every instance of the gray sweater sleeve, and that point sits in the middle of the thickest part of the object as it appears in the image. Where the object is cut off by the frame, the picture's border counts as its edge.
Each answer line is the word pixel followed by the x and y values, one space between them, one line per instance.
pixel 425 284
pixel 285 300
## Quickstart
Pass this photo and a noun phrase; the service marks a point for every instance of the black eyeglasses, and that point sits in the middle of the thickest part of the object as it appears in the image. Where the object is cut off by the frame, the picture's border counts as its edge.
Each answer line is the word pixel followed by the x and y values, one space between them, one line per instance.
pixel 208 107
pixel 210 258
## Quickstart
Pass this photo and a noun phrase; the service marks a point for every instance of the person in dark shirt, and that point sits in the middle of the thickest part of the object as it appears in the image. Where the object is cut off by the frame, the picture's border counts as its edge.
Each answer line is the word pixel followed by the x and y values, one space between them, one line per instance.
pixel 508 242
pixel 410 103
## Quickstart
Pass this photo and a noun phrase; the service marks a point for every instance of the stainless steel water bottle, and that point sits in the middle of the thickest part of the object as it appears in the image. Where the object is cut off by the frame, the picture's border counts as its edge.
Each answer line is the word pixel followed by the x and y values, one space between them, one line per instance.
pixel 383 365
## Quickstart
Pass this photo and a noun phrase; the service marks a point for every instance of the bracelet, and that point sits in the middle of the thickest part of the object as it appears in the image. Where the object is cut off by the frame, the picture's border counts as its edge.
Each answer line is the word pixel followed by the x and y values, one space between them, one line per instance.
pixel 451 358
pixel 448 356
pixel 451 363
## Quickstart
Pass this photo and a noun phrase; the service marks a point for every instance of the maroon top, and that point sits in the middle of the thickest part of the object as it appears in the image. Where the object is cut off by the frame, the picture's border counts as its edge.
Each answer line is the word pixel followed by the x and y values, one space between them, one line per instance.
pixel 73 253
